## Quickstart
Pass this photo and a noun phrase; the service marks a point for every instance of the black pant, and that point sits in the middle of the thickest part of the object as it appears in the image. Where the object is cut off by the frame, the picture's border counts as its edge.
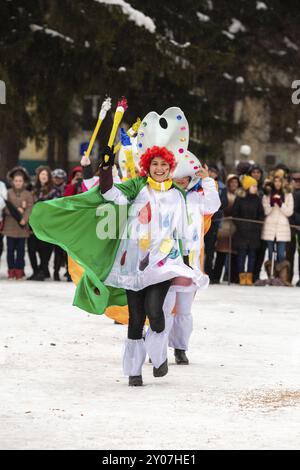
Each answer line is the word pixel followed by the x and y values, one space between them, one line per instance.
pixel 221 262
pixel 60 258
pixel 15 253
pixel 260 257
pixel 291 248
pixel 146 302
pixel 209 246
pixel 44 250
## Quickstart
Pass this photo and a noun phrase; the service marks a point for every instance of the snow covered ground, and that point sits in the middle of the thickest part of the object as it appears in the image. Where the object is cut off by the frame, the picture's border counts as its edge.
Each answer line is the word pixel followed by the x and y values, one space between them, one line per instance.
pixel 62 385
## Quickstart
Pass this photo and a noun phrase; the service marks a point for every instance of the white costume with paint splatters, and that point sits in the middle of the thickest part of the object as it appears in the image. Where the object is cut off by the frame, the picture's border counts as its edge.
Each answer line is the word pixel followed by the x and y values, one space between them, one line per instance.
pixel 149 252
pixel 199 204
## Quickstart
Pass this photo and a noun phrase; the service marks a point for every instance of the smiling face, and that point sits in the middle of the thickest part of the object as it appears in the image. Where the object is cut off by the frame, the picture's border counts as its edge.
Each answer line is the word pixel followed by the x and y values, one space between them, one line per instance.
pixel 183 182
pixel 159 169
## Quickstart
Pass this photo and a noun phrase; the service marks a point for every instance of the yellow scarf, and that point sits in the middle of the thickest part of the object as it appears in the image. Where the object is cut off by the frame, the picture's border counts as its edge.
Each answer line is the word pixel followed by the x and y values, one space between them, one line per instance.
pixel 164 186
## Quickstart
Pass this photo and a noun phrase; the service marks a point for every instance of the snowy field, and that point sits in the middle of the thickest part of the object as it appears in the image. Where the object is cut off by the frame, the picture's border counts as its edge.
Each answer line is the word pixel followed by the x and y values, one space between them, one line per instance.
pixel 62 385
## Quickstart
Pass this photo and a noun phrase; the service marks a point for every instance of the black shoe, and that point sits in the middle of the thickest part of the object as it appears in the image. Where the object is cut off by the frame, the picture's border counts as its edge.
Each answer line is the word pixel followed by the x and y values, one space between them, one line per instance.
pixel 69 279
pixel 39 276
pixel 135 381
pixel 180 356
pixel 298 283
pixel 162 369
pixel 56 277
pixel 31 278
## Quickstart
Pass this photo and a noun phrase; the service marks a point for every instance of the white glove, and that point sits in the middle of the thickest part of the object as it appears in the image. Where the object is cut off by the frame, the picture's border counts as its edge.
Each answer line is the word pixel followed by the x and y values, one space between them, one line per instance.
pixel 85 161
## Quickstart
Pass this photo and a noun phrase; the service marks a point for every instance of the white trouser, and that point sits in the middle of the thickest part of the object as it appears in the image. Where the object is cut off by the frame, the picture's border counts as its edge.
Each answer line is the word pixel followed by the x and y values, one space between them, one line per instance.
pixel 182 326
pixel 168 307
pixel 134 356
pixel 156 345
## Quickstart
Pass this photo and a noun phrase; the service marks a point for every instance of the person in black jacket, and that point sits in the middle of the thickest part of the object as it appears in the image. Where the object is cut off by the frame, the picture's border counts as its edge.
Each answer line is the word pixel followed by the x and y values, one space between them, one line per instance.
pixel 211 236
pixel 247 237
pixel 295 220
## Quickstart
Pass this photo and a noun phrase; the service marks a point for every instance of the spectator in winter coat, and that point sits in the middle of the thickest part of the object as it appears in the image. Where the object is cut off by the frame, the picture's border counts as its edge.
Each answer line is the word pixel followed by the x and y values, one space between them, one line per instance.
pixel 44 190
pixel 226 230
pixel 59 177
pixel 278 205
pixel 295 233
pixel 74 185
pixel 16 229
pixel 257 173
pixel 211 236
pixel 3 196
pixel 247 237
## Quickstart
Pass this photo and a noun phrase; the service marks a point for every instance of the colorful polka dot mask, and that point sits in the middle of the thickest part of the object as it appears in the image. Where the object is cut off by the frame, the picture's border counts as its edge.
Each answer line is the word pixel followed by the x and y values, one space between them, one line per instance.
pixel 188 165
pixel 170 130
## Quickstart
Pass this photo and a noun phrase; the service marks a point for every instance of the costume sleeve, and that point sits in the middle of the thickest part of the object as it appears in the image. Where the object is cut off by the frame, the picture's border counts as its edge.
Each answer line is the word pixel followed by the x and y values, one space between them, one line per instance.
pixel 115 195
pixel 90 182
pixel 183 229
pixel 3 196
pixel 211 196
pixel 88 172
pixel 110 192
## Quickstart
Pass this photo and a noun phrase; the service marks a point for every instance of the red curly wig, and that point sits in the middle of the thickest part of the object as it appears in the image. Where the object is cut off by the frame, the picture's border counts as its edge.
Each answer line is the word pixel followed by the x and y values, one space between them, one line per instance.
pixel 155 151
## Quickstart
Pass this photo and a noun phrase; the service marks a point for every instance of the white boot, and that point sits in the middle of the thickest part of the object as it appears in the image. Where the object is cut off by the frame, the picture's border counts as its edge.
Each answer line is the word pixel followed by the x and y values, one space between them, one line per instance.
pixel 134 357
pixel 156 345
pixel 168 307
pixel 183 321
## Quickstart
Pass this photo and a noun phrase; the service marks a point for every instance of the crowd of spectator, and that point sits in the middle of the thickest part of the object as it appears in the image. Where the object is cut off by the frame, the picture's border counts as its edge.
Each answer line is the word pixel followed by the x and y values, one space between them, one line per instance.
pixel 17 196
pixel 256 230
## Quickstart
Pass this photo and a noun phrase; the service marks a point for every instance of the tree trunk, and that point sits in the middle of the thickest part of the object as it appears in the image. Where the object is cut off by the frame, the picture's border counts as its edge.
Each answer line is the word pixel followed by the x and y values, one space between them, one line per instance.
pixel 9 154
pixel 63 151
pixel 51 151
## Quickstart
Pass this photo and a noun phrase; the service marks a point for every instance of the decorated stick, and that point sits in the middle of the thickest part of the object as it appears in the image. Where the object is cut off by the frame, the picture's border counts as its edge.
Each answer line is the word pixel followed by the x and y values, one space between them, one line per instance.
pixel 121 108
pixel 131 132
pixel 106 105
pixel 126 143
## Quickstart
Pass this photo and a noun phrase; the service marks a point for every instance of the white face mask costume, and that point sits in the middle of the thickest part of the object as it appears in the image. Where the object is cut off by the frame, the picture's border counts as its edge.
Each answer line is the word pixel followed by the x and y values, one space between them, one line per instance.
pixel 188 165
pixel 170 130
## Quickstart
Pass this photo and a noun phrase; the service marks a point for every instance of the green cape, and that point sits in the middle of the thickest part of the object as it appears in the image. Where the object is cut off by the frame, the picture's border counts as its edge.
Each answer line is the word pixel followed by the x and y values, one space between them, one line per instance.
pixel 71 222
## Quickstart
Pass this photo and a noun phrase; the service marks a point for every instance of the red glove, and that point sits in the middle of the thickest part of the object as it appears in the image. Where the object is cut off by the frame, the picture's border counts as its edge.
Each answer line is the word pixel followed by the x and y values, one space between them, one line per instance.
pixel 276 199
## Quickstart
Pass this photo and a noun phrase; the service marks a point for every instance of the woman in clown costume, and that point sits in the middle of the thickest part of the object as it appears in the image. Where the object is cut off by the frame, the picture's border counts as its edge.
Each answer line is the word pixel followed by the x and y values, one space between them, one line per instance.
pixel 127 236
pixel 202 200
